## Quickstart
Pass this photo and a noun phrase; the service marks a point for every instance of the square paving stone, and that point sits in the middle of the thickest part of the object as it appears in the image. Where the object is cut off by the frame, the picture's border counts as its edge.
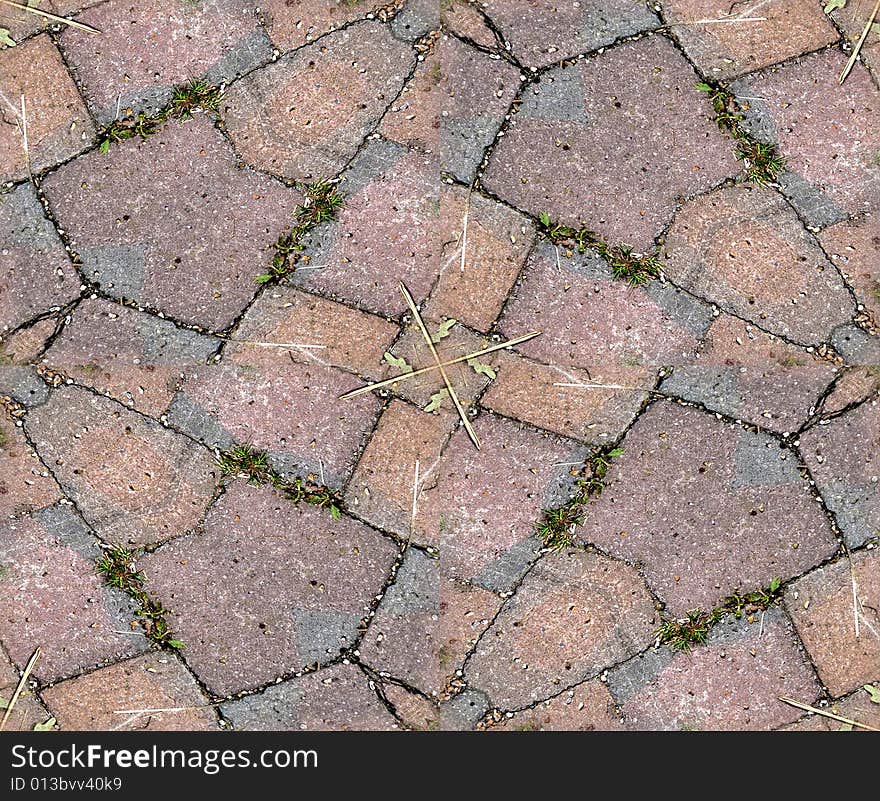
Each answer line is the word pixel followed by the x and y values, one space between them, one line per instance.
pixel 413 120
pixel 267 588
pixel 574 614
pixel 147 48
pixel 748 374
pixel 57 121
pixel 731 683
pixel 496 245
pixel 53 598
pixel 404 639
pixel 135 482
pixel 480 507
pixel 28 711
pixel 381 489
pixel 37 275
pixel 582 153
pixel 786 28
pixel 305 116
pixel 589 320
pixel 553 31
pixel 706 508
pixel 844 459
pixel 465 613
pixel 156 683
pixel 173 221
pixel 854 246
pixel 745 249
pixel 337 698
pixel 476 91
pixel 832 155
pixel 587 707
pixel 821 604
pixel 25 483
pixel 386 232
pixel 291 410
pixel 137 358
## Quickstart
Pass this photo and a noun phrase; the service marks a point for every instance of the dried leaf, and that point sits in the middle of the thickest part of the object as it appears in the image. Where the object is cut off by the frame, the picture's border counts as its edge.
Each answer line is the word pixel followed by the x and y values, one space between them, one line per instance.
pixel 482 369
pixel 396 361
pixel 437 400
pixel 47 726
pixel 833 5
pixel 874 692
pixel 444 330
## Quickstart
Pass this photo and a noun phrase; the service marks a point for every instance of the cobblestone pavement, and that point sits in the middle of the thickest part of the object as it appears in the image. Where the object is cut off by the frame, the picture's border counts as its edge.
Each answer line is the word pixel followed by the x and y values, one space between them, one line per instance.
pixel 672 517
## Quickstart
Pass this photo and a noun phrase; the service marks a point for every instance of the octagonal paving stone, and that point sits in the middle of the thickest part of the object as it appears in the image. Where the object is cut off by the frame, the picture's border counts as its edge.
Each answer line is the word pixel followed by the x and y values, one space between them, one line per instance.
pixel 472 109
pixel 844 459
pixel 403 639
pixel 306 115
pixel 854 246
pixel 831 158
pixel 587 707
pixel 135 482
pixel 175 210
pixel 745 373
pixel 137 358
pixel 52 597
pixel 37 275
pixel 480 507
pixel 25 484
pixel 589 320
pixel 338 698
pixel 780 30
pixel 155 681
pixel 553 31
pixel 731 683
pixel 267 588
pixel 583 154
pixel 744 249
pixel 147 48
pixel 821 605
pixel 58 124
pixel 497 244
pixel 384 234
pixel 574 614
pixel 413 120
pixel 706 508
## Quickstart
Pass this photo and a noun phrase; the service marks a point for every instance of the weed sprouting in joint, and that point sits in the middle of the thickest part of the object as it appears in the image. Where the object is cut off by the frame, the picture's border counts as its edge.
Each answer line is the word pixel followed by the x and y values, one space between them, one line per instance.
pixel 116 566
pixel 322 202
pixel 557 526
pixel 243 461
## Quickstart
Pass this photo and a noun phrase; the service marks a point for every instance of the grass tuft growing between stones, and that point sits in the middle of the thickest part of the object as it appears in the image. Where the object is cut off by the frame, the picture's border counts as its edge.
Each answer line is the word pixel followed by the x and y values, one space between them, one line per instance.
pixel 626 265
pixel 763 162
pixel 243 461
pixel 185 101
pixel 682 634
pixel 322 202
pixel 116 566
pixel 557 526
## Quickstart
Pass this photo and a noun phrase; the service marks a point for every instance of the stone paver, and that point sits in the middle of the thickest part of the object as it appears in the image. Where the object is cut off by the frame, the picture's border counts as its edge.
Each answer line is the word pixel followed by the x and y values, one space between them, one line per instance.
pixel 22 24
pixel 857 706
pixel 267 589
pixel 415 711
pixel 845 463
pixel 732 683
pixel 851 18
pixel 753 376
pixel 465 613
pixel 581 153
pixel 176 210
pixel 294 24
pixel 745 249
pixel 334 699
pixel 154 681
pixel 782 29
pixel 575 614
pixel 58 124
pixel 39 275
pixel 52 598
pixel 479 507
pixel 28 711
pixel 854 246
pixel 856 384
pixel 304 116
pixel 147 48
pixel 25 484
pixel 465 20
pixel 135 482
pixel 25 344
pixel 589 320
pixel 821 604
pixel 706 508
pixel 587 707
pixel 416 19
pixel 552 31
pixel 413 120
pixel 833 156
